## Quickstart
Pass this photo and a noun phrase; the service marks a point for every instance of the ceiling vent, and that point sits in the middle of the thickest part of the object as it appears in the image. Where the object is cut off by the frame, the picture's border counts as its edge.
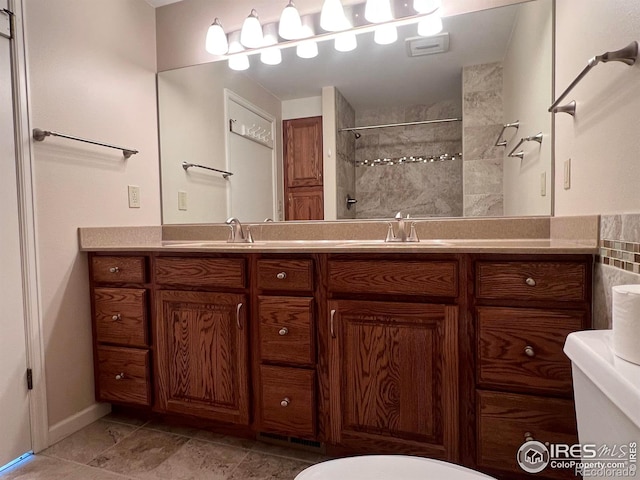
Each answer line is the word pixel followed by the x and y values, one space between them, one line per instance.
pixel 418 46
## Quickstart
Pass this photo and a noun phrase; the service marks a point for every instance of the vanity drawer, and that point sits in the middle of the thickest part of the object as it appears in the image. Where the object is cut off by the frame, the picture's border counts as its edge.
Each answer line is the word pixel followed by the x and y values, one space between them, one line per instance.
pixel 506 420
pixel 201 272
pixel 556 281
pixel 520 347
pixel 113 269
pixel 286 329
pixel 434 278
pixel 296 275
pixel 288 400
pixel 121 316
pixel 123 375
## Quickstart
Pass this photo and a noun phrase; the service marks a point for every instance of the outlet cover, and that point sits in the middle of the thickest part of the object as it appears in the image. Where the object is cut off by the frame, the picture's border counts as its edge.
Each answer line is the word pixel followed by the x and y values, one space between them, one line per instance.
pixel 134 196
pixel 543 184
pixel 182 200
pixel 567 174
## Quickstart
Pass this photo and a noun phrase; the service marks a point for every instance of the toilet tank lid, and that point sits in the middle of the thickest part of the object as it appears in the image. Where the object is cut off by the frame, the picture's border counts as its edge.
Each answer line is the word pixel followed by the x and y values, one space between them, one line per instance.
pixel 591 351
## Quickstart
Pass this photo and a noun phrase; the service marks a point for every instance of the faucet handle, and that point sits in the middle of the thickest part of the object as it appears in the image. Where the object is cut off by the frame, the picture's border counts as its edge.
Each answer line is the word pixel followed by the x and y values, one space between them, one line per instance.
pixel 398 216
pixel 249 237
pixel 413 235
pixel 390 235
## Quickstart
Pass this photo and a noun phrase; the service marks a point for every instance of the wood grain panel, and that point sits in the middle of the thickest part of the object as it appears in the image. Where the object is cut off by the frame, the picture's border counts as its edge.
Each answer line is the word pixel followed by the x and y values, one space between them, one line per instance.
pixel 302 152
pixel 395 373
pixel 121 316
pixel 295 314
pixel 305 204
pixel 202 355
pixel 556 281
pixel 298 417
pixel 298 275
pixel 505 333
pixel 118 269
pixel 504 418
pixel 435 278
pixel 201 272
pixel 123 375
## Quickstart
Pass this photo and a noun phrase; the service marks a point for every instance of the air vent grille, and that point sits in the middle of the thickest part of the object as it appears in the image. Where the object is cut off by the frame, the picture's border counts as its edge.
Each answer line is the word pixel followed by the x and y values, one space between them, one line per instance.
pixel 418 46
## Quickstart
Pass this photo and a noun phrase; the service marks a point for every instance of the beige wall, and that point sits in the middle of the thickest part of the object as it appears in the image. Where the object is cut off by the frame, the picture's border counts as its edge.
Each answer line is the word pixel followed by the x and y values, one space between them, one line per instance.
pixel 302 108
pixel 602 141
pixel 527 76
pixel 91 67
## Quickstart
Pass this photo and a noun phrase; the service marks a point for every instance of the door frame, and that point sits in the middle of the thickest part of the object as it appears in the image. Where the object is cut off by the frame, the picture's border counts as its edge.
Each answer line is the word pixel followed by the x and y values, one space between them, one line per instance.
pixel 26 217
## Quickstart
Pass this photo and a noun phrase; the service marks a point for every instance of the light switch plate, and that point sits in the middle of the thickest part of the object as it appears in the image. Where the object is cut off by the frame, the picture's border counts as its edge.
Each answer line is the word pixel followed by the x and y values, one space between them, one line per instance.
pixel 182 200
pixel 543 184
pixel 567 174
pixel 134 196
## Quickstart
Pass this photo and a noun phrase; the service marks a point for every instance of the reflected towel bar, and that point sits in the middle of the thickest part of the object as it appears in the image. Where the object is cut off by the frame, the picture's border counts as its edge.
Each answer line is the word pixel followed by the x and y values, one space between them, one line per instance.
pixel 628 55
pixel 39 135
pixel 187 166
pixel 500 142
pixel 534 138
pixel 404 124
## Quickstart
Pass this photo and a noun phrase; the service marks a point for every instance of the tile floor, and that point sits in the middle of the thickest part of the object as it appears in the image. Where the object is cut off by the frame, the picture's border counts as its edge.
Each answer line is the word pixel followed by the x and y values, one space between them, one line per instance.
pixel 122 447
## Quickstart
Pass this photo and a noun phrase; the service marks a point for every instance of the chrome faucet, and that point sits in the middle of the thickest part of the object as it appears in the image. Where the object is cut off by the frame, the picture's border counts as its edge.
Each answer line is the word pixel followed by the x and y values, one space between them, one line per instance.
pixel 401 235
pixel 237 235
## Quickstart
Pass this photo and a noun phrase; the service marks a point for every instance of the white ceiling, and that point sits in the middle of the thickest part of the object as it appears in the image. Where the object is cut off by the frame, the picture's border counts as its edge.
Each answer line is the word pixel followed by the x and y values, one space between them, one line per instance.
pixel 161 3
pixel 377 76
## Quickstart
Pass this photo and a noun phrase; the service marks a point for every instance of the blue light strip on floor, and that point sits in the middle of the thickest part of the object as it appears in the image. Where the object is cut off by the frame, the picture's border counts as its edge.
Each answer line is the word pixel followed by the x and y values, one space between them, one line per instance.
pixel 16 461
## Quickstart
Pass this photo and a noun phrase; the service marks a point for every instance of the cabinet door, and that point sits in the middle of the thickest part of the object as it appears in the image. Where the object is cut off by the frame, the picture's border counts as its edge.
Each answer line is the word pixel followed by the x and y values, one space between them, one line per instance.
pixel 393 377
pixel 305 204
pixel 202 355
pixel 303 152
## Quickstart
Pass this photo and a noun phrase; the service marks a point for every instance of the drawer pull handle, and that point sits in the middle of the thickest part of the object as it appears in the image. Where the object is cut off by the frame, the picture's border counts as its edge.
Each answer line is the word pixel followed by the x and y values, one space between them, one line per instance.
pixel 238 308
pixel 285 402
pixel 528 437
pixel 114 269
pixel 281 275
pixel 530 281
pixel 283 331
pixel 120 376
pixel 116 317
pixel 331 327
pixel 529 351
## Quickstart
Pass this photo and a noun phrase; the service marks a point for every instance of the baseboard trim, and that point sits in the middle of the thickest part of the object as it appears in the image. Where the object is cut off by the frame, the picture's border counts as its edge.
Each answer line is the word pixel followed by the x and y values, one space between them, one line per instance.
pixel 77 421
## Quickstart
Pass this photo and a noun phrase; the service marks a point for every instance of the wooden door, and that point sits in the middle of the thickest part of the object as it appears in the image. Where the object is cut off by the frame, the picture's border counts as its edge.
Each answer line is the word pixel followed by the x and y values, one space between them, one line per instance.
pixel 393 377
pixel 202 355
pixel 305 204
pixel 303 152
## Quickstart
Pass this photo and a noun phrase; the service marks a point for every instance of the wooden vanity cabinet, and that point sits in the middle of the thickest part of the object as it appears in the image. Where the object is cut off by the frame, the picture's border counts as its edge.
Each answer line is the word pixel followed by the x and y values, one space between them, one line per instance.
pixel 524 309
pixel 201 338
pixel 393 356
pixel 120 313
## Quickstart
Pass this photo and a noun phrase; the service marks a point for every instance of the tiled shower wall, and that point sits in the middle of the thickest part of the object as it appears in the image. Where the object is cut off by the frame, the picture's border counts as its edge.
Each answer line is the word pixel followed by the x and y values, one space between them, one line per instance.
pixel 617 264
pixel 345 155
pixel 482 110
pixel 418 189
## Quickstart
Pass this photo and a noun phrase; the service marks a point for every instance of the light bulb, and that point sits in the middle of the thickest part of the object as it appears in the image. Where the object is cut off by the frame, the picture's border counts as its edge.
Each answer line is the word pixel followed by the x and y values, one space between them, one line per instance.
pixel 332 17
pixel 385 34
pixel 307 48
pixel 377 11
pixel 251 33
pixel 216 42
pixel 345 42
pixel 426 6
pixel 237 62
pixel 271 56
pixel 430 25
pixel 290 23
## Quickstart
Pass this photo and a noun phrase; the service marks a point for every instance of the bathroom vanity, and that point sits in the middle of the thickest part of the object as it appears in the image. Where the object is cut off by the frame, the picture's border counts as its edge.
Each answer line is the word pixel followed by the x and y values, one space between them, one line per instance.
pixel 451 351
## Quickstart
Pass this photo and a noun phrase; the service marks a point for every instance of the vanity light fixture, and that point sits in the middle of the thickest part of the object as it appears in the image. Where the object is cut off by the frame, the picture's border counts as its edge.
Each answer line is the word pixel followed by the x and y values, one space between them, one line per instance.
pixel 332 16
pixel 216 42
pixel 251 33
pixel 346 42
pixel 377 11
pixel 290 25
pixel 430 25
pixel 307 48
pixel 426 6
pixel 237 62
pixel 385 34
pixel 273 55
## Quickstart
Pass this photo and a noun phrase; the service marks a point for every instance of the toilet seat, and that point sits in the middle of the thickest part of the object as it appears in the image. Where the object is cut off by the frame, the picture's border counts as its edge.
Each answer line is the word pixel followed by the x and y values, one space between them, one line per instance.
pixel 388 467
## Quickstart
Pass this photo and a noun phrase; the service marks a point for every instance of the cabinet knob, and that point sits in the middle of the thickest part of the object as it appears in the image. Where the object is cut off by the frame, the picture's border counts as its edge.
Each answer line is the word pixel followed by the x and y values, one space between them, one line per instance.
pixel 114 269
pixel 529 351
pixel 528 437
pixel 530 281
pixel 120 376
pixel 281 275
pixel 285 402
pixel 283 331
pixel 116 317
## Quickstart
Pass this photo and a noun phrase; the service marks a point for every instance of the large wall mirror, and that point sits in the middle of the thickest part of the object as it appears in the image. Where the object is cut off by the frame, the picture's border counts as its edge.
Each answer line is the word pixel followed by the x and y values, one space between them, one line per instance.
pixel 493 68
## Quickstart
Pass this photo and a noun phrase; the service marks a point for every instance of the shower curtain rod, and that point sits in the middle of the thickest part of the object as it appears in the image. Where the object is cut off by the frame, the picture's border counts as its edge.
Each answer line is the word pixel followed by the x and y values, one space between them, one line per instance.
pixel 423 122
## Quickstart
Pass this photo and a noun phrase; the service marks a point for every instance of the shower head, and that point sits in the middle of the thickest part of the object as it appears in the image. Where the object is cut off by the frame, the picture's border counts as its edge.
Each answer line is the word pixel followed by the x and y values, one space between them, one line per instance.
pixel 357 135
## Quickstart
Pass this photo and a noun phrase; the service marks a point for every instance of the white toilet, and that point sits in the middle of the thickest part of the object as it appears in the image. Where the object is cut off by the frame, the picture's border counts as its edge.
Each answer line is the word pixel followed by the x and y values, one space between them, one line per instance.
pixel 606 390
pixel 388 467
